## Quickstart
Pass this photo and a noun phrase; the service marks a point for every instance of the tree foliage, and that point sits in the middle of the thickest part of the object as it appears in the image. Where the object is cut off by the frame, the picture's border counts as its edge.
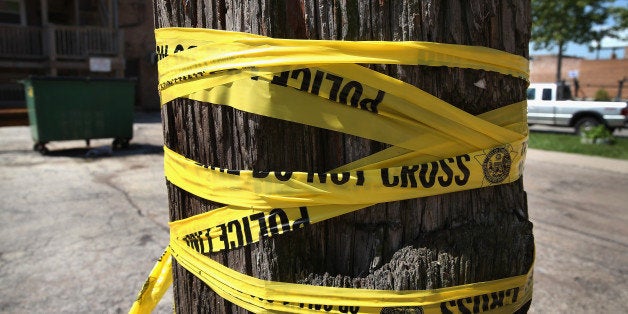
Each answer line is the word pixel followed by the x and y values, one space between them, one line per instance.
pixel 555 23
pixel 620 19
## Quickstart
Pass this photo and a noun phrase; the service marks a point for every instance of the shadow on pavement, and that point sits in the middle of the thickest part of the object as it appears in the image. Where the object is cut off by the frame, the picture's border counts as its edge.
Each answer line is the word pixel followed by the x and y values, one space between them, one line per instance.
pixel 106 151
pixel 147 117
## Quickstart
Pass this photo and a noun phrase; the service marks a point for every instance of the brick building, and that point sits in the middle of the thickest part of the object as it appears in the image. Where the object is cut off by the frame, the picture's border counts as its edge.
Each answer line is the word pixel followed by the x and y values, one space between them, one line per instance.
pixel 63 37
pixel 610 75
pixel 136 20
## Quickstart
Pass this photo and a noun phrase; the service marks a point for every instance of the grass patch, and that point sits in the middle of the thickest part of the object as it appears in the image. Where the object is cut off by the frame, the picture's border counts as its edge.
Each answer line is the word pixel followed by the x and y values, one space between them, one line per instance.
pixel 570 143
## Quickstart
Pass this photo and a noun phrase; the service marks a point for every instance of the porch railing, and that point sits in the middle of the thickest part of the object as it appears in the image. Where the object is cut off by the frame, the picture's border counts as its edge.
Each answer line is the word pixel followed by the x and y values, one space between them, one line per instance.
pixel 82 42
pixel 58 42
pixel 21 42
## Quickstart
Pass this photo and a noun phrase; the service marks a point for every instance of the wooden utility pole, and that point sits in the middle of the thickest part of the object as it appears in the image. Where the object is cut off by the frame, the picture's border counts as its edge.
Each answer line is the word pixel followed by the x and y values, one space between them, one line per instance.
pixel 426 243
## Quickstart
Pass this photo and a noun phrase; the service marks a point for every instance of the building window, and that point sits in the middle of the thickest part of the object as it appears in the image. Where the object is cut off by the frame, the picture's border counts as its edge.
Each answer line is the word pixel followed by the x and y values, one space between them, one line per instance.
pixel 12 12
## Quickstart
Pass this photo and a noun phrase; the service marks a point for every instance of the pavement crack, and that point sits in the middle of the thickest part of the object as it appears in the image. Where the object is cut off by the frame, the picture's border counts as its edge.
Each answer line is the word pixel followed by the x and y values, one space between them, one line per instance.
pixel 107 180
pixel 127 197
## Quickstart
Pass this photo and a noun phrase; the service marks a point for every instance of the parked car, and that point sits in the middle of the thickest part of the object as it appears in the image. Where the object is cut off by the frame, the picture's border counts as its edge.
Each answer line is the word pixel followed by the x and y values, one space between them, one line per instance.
pixel 550 105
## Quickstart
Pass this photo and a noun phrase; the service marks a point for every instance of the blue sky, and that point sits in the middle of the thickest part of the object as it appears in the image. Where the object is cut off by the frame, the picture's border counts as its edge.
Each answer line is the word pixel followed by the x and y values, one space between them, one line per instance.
pixel 583 50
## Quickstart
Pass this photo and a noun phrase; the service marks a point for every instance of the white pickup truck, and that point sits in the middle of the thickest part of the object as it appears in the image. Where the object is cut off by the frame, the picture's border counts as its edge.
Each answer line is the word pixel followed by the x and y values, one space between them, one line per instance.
pixel 547 106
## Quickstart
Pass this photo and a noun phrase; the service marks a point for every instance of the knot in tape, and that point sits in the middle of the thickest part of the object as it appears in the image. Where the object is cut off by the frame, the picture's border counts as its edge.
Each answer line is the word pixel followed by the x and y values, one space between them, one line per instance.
pixel 435 149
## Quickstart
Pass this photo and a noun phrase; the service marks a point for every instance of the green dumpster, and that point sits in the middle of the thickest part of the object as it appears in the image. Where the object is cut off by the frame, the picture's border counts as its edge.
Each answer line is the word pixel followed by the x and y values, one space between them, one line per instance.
pixel 62 108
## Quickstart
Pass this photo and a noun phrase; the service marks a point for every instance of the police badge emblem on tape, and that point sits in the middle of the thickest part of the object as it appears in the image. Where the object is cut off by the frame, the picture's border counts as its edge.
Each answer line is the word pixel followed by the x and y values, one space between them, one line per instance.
pixel 497 163
pixel 319 83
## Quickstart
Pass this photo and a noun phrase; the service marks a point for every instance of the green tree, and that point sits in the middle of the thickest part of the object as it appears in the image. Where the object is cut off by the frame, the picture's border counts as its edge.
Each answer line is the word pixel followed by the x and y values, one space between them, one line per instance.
pixel 556 23
pixel 620 17
pixel 614 29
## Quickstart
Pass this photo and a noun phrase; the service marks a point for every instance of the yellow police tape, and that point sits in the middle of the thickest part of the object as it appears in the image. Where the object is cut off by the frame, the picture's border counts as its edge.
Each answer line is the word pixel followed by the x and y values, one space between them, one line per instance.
pixel 436 149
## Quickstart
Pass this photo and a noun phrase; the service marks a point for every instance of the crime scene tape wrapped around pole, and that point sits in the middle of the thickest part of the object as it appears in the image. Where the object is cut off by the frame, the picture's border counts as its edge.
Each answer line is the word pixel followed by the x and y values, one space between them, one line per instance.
pixel 436 148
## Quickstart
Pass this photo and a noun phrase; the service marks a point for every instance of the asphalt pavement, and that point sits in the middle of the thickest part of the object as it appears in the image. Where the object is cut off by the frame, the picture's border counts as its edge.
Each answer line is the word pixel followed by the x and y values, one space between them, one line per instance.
pixel 81 228
pixel 79 234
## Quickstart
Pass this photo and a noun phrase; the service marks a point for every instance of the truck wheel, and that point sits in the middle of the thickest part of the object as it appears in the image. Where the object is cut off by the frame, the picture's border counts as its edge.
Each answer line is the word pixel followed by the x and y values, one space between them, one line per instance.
pixel 586 123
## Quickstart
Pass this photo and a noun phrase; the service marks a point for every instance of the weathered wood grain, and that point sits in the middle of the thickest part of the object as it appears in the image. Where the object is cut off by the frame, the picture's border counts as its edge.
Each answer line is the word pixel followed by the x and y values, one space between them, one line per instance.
pixel 424 243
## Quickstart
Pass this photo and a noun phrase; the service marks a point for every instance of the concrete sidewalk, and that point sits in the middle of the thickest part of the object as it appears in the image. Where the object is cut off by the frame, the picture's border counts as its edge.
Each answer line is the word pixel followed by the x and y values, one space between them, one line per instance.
pixel 578 161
